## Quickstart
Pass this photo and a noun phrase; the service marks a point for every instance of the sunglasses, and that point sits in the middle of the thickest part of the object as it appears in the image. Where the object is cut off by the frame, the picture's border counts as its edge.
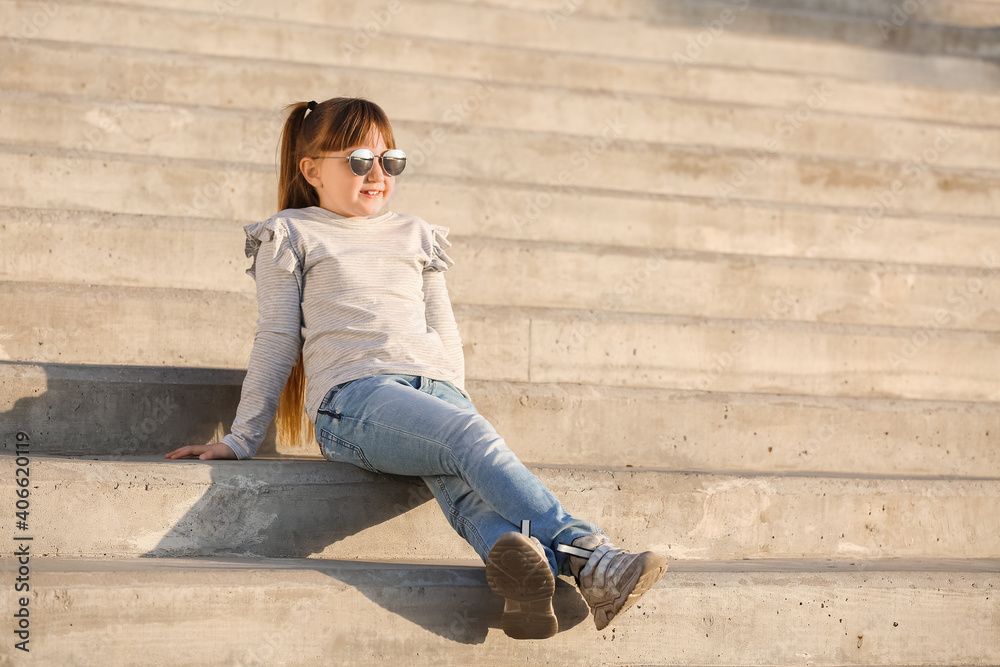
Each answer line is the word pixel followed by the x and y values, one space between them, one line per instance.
pixel 362 161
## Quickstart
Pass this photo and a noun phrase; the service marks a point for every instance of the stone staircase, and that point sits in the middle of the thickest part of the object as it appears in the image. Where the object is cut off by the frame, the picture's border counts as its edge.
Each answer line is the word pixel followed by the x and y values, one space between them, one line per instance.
pixel 728 278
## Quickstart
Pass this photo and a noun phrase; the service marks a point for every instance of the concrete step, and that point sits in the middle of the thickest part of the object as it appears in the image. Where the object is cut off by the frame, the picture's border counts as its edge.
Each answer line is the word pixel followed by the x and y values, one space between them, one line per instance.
pixel 712 286
pixel 944 27
pixel 121 250
pixel 126 326
pixel 128 410
pixel 941 12
pixel 957 27
pixel 140 184
pixel 566 424
pixel 129 84
pixel 969 13
pixel 224 82
pixel 193 132
pixel 302 612
pixel 159 327
pixel 761 355
pixel 75 410
pixel 650 31
pixel 573 217
pixel 299 508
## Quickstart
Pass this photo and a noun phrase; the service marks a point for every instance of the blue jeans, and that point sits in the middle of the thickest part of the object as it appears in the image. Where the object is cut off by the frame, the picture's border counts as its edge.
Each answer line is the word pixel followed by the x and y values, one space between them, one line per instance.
pixel 410 425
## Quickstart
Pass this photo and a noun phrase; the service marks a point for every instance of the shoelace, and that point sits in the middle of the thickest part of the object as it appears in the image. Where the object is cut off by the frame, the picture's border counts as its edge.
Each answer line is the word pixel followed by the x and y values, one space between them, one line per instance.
pixel 602 562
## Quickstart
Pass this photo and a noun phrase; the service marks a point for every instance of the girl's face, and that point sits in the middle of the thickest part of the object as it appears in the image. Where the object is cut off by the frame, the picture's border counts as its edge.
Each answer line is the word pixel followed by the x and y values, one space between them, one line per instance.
pixel 343 192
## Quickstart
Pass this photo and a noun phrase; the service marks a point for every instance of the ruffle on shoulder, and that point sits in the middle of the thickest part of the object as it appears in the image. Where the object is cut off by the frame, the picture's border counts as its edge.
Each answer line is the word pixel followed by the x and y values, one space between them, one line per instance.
pixel 273 229
pixel 440 261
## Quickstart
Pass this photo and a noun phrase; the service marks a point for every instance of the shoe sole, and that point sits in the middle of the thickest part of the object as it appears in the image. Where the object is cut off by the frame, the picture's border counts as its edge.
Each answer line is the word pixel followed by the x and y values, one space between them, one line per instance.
pixel 652 568
pixel 519 574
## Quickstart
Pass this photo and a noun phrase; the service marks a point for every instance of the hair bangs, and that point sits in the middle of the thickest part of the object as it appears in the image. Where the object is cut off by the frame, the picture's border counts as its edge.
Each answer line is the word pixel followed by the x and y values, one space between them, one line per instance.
pixel 352 124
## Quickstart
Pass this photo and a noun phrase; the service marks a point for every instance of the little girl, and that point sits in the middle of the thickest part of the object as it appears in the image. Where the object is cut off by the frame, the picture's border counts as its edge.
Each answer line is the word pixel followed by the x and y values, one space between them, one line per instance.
pixel 354 299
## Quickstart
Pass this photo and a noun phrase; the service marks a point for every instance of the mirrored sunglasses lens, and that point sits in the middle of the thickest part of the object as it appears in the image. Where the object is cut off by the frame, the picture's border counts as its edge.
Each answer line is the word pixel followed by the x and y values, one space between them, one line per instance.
pixel 362 161
pixel 393 165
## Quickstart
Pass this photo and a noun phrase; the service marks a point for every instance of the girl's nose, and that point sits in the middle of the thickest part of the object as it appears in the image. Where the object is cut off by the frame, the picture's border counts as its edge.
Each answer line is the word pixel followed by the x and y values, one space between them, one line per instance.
pixel 376 175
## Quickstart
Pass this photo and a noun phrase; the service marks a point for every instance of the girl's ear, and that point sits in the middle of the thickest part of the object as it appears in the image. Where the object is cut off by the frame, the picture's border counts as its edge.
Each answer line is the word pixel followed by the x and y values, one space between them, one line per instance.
pixel 310 171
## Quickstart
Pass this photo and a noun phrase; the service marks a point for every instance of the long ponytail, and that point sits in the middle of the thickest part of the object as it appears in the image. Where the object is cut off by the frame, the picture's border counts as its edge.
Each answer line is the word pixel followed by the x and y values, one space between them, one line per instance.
pixel 330 126
pixel 291 421
pixel 293 189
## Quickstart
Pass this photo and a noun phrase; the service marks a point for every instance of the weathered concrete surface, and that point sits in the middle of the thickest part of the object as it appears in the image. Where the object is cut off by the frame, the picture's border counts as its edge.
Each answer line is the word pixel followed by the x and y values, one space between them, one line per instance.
pixel 551 162
pixel 196 132
pixel 148 505
pixel 956 28
pixel 712 286
pixel 76 409
pixel 766 357
pixel 567 424
pixel 943 12
pixel 126 325
pixel 170 327
pixel 510 273
pixel 573 219
pixel 304 613
pixel 150 410
pixel 652 31
pixel 91 248
pixel 854 18
pixel 191 79
pixel 171 105
pixel 144 326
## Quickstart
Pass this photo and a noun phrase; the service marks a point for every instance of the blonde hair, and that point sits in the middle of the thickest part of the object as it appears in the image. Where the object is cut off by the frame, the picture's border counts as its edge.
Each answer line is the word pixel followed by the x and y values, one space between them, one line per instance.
pixel 333 125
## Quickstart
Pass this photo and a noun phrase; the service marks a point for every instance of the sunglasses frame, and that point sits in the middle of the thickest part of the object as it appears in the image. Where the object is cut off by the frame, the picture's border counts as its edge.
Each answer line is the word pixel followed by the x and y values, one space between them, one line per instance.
pixel 366 154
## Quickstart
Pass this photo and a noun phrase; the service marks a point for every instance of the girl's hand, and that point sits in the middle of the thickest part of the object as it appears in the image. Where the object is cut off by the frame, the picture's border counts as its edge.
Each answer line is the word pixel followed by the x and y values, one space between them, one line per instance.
pixel 213 450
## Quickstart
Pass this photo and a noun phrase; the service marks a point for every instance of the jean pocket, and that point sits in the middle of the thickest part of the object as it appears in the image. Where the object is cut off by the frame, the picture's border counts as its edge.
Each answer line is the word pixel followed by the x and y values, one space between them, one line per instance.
pixel 326 405
pixel 335 448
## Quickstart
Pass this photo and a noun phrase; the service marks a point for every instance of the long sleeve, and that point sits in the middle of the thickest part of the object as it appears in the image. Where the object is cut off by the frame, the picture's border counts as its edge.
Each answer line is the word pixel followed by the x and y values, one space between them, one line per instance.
pixel 276 348
pixel 441 318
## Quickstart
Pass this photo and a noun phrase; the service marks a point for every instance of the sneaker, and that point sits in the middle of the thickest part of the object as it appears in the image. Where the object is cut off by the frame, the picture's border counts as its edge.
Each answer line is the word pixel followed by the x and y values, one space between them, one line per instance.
pixel 518 570
pixel 612 579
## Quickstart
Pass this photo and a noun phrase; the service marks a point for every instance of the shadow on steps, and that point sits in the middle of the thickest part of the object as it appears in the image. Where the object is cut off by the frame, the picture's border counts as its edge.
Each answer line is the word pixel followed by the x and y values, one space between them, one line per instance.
pixel 452 601
pixel 86 409
pixel 271 508
pixel 244 515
